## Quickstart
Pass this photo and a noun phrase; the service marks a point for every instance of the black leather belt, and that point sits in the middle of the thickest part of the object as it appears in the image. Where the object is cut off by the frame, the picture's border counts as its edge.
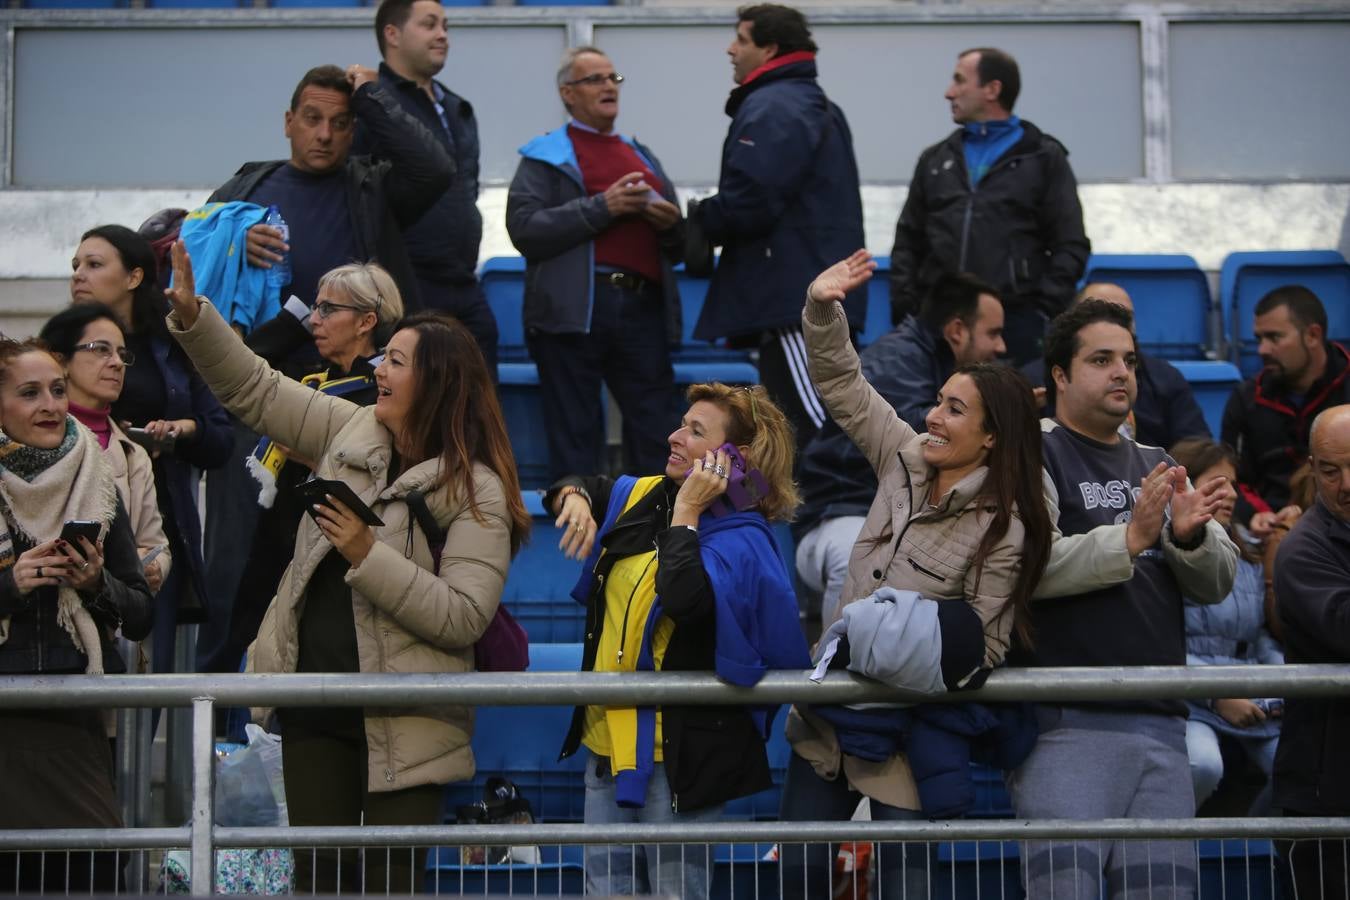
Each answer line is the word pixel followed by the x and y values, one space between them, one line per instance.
pixel 626 280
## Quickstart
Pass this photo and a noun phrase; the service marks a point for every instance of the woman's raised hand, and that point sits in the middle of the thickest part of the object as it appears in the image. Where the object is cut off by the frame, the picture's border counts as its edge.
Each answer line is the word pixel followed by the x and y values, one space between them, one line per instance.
pixel 183 294
pixel 836 281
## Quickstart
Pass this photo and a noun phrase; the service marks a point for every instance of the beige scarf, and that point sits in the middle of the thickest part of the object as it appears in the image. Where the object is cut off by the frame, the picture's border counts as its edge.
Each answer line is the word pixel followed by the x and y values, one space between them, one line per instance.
pixel 77 484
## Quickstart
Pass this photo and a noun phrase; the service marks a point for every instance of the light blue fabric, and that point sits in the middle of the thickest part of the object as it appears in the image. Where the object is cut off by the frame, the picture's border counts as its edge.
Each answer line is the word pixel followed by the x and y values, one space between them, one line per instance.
pixel 893 637
pixel 986 142
pixel 214 236
pixel 617 870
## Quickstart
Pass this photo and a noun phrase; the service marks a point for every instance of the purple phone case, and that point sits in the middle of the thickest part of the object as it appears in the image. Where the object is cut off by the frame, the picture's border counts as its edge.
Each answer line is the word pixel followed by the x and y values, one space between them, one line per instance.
pixel 744 488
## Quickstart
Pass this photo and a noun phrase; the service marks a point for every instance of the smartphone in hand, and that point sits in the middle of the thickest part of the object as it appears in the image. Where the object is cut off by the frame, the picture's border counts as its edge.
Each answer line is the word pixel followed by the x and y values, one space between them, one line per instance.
pixel 151 443
pixel 75 529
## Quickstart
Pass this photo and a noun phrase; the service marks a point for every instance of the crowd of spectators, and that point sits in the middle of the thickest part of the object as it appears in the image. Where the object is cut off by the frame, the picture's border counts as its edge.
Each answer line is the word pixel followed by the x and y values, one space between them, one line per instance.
pixel 1002 479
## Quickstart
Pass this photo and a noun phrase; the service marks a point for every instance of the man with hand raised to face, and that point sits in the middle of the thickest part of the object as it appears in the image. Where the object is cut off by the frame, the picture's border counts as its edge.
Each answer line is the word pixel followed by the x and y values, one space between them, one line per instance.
pixel 594 215
pixel 1132 537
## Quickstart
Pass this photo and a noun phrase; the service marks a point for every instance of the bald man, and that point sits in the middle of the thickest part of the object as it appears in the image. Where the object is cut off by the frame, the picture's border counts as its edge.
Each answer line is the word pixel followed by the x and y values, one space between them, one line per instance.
pixel 1165 411
pixel 1312 593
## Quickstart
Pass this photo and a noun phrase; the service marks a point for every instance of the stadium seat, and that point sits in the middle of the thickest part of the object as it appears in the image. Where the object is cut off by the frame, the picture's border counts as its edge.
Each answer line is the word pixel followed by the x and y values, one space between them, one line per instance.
pixel 1247 277
pixel 503 281
pixel 194 4
pixel 1212 383
pixel 727 372
pixel 1173 307
pixel 539 582
pixel 878 320
pixel 74 4
pixel 522 408
pixel 693 293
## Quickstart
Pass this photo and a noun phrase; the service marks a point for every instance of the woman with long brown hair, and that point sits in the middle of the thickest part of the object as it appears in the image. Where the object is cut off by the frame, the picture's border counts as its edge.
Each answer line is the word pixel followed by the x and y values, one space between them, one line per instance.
pixel 960 522
pixel 362 598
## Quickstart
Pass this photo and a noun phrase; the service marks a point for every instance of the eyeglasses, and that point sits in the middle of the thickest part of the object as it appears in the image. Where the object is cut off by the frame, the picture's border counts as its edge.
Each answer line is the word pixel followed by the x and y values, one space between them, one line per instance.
pixel 104 350
pixel 325 308
pixel 597 80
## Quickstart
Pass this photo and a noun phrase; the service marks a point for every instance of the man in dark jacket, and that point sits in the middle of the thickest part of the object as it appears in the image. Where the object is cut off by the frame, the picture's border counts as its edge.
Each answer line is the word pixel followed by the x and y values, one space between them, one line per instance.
pixel 1164 411
pixel 443 243
pixel 1268 417
pixel 787 206
pixel 961 322
pixel 339 208
pixel 594 215
pixel 996 198
pixel 1312 593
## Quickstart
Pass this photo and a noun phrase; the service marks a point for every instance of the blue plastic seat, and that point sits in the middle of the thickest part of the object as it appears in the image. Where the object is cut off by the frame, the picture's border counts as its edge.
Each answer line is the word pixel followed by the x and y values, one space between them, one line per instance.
pixel 194 4
pixel 1247 277
pixel 727 372
pixel 1172 303
pixel 74 4
pixel 503 281
pixel 522 408
pixel 693 294
pixel 878 320
pixel 1211 383
pixel 539 581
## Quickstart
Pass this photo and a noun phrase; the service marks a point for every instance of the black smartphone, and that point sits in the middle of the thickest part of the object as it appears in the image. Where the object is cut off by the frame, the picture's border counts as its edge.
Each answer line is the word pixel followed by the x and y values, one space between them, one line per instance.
pixel 75 529
pixel 149 441
pixel 316 490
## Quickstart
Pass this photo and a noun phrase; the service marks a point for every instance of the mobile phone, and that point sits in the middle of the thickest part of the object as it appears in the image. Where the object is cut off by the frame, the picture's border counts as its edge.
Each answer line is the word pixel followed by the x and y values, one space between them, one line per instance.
pixel 75 529
pixel 316 490
pixel 149 441
pixel 152 553
pixel 745 486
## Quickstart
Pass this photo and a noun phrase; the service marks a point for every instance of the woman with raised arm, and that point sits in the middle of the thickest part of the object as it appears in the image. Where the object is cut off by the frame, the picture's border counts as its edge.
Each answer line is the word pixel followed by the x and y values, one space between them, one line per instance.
pixel 950 552
pixel 374 598
pixel 683 574
pixel 61 599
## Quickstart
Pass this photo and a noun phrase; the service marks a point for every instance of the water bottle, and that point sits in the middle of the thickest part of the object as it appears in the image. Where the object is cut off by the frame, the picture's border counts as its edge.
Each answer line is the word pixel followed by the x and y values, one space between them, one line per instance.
pixel 279 276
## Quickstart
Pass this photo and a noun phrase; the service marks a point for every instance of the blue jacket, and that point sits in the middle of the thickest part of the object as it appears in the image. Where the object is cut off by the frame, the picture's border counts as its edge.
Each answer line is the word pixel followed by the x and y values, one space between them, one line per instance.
pixel 553 223
pixel 787 206
pixel 214 235
pixel 754 628
pixel 907 366
pixel 188 397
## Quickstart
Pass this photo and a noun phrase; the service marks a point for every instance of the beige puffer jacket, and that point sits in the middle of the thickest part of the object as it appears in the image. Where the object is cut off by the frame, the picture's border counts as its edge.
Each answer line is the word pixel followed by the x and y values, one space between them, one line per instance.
pixel 922 548
pixel 408 619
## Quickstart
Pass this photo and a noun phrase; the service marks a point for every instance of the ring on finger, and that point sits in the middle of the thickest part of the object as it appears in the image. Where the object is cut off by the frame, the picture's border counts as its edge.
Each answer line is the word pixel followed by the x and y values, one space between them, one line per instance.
pixel 39 571
pixel 719 471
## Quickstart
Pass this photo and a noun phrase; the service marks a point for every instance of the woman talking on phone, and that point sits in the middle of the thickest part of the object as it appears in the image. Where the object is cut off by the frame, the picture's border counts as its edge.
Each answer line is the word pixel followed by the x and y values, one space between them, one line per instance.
pixel 682 574
pixel 61 598
pixel 363 598
pixel 960 520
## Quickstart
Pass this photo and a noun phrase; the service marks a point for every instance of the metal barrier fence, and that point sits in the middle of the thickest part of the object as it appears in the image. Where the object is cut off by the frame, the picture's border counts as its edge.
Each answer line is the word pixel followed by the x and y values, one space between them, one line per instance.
pixel 201 838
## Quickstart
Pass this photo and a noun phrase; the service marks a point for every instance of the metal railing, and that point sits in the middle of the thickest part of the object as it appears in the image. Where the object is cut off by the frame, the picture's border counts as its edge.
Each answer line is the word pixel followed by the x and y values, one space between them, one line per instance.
pixel 201 837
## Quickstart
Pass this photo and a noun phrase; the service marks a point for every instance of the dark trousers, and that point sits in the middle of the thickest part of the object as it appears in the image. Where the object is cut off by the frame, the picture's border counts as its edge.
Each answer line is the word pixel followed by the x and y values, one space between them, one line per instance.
pixel 1024 335
pixel 467 303
pixel 782 371
pixel 1314 869
pixel 57 773
pixel 902 869
pixel 627 350
pixel 326 777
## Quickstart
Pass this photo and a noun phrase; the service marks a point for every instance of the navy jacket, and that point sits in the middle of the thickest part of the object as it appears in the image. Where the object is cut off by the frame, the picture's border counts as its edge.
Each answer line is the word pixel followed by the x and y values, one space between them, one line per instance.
pixel 443 243
pixel 383 197
pixel 553 223
pixel 1165 410
pixel 1020 229
pixel 787 205
pixel 1312 593
pixel 907 366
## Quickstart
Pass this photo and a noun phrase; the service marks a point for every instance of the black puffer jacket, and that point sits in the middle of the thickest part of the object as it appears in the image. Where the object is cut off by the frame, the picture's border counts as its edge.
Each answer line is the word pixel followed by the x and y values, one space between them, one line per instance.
pixel 383 196
pixel 1269 429
pixel 1020 228
pixel 38 645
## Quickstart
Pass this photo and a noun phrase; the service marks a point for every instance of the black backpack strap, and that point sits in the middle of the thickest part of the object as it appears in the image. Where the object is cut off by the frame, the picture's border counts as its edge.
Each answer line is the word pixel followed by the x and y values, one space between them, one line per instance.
pixel 417 503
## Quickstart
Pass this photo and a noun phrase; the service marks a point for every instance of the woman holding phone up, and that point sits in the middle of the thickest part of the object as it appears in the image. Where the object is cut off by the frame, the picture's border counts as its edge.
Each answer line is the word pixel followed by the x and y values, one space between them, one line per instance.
pixel 61 598
pixel 682 574
pixel 362 598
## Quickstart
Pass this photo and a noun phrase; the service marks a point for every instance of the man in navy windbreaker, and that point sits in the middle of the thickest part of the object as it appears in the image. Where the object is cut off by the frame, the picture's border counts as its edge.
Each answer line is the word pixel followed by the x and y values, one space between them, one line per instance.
pixel 787 206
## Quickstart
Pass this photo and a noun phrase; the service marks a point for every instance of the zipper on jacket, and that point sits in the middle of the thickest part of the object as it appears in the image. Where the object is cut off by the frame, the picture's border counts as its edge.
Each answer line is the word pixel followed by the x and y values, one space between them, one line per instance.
pixel 623 629
pixel 388 729
pixel 919 568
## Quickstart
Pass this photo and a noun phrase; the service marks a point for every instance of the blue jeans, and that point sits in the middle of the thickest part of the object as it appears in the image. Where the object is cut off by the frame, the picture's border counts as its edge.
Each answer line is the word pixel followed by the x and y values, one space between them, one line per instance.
pixel 681 870
pixel 902 869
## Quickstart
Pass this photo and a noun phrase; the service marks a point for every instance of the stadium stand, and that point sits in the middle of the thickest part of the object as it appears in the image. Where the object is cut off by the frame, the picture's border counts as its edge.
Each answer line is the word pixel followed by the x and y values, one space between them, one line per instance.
pixel 1173 307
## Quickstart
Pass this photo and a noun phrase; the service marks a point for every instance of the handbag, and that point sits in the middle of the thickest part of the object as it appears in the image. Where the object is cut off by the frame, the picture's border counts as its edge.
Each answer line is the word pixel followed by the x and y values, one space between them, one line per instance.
pixel 698 250
pixel 504 646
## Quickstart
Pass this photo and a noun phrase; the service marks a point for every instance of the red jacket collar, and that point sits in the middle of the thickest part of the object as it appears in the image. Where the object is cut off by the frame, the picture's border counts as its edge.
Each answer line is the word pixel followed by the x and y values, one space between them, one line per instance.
pixel 778 62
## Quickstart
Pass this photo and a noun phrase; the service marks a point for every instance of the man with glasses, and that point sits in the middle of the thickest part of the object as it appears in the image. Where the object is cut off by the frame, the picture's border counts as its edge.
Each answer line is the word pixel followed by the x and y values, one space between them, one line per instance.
pixel 594 215
pixel 443 243
pixel 787 206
